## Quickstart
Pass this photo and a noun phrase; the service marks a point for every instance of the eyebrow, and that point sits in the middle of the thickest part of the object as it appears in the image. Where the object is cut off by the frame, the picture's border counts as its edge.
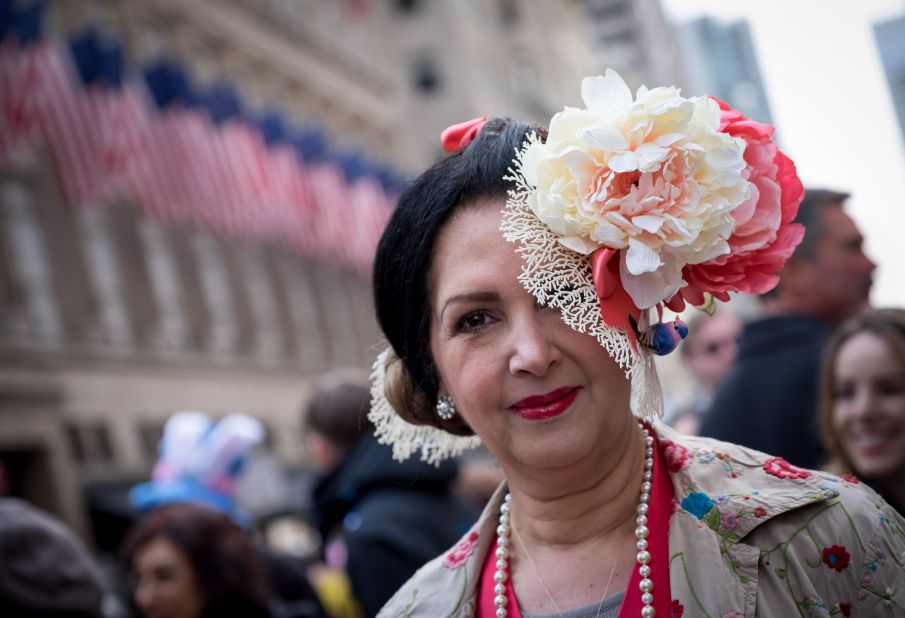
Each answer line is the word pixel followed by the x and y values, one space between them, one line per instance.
pixel 470 297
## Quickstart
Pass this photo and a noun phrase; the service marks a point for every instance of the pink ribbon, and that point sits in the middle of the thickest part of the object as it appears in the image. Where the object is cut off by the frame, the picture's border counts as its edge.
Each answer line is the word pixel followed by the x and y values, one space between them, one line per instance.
pixel 456 137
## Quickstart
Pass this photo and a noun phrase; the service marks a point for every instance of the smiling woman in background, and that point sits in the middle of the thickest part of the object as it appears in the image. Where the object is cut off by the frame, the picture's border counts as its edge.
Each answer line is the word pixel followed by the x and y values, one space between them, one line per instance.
pixel 862 407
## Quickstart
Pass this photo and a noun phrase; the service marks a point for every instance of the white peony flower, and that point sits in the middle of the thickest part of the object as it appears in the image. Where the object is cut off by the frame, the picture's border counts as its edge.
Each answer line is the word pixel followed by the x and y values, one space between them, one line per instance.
pixel 652 176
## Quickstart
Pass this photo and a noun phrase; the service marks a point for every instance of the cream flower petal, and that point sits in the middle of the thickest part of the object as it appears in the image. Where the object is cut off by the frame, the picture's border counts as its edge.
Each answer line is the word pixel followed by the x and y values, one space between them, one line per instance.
pixel 608 235
pixel 578 244
pixel 603 137
pixel 649 223
pixel 650 156
pixel 668 139
pixel 534 157
pixel 625 161
pixel 648 289
pixel 640 258
pixel 607 95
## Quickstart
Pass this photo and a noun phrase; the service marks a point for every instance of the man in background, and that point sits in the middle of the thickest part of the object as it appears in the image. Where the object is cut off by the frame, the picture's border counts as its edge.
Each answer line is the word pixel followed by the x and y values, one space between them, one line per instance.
pixel 380 519
pixel 769 399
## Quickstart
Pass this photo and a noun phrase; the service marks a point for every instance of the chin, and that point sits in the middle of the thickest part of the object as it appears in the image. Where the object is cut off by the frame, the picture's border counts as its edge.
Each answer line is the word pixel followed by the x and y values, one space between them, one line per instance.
pixel 555 453
pixel 877 468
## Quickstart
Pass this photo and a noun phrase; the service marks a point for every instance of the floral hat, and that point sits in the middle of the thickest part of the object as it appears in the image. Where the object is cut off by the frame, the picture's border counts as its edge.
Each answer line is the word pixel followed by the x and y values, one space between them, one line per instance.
pixel 629 206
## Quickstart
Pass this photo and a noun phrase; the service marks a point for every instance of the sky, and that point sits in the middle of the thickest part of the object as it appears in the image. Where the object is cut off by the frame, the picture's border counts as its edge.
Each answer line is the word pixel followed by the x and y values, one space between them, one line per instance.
pixel 831 104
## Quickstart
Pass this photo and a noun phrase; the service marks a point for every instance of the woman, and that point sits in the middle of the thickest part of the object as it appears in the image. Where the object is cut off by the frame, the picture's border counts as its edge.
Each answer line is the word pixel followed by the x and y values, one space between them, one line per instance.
pixel 624 206
pixel 189 561
pixel 862 401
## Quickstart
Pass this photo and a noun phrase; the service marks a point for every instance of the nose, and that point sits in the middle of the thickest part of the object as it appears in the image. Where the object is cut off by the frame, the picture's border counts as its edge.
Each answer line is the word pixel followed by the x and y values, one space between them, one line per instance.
pixel 532 350
pixel 870 265
pixel 862 406
pixel 144 594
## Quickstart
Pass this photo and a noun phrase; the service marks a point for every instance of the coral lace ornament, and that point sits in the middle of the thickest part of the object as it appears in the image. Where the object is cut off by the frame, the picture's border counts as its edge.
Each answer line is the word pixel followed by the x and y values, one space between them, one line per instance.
pixel 661 501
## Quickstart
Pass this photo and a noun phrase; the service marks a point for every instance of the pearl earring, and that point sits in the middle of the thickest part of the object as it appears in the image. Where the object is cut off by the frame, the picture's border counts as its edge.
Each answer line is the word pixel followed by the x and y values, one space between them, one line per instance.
pixel 446 409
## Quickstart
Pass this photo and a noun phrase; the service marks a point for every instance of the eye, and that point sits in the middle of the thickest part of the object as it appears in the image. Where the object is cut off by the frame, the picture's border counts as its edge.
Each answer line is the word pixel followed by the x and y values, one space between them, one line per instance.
pixel 843 391
pixel 890 387
pixel 472 321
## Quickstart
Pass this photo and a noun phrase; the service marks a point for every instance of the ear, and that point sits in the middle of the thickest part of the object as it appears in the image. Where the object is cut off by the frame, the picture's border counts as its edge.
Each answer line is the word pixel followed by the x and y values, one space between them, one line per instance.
pixel 323 454
pixel 796 278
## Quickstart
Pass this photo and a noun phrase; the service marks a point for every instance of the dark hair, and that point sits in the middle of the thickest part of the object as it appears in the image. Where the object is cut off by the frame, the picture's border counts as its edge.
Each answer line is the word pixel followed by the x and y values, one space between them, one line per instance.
pixel 888 325
pixel 227 567
pixel 405 253
pixel 810 214
pixel 338 408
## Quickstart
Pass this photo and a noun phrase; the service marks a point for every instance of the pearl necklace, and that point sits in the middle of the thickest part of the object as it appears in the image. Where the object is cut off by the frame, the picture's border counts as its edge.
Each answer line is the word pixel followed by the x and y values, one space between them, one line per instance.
pixel 504 530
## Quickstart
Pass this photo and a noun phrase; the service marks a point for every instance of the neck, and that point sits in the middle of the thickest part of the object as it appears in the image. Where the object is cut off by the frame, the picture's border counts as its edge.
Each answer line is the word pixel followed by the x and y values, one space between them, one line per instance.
pixel 592 501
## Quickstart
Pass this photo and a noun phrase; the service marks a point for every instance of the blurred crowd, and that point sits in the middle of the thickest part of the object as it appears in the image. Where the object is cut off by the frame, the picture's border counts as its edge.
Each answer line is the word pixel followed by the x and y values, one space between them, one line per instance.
pixel 196 550
pixel 818 378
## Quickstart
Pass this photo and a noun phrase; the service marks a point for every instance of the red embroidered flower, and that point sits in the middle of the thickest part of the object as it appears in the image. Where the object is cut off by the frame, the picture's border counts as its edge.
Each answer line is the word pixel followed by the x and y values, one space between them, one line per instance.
pixel 760 512
pixel 777 466
pixel 846 609
pixel 848 478
pixel 677 456
pixel 460 553
pixel 677 609
pixel 836 557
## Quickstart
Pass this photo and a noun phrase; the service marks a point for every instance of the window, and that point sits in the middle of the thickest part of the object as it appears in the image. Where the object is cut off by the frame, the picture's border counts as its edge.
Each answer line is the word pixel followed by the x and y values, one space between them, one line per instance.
pixel 90 443
pixel 426 76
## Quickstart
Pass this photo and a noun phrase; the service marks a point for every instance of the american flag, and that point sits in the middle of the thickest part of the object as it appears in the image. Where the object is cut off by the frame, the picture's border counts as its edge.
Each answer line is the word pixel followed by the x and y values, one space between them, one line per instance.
pixel 122 119
pixel 334 222
pixel 67 123
pixel 186 158
pixel 300 208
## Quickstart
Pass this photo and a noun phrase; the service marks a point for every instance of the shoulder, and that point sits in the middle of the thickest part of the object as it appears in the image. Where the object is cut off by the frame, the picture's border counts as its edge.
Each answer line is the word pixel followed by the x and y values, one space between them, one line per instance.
pixel 821 538
pixel 843 553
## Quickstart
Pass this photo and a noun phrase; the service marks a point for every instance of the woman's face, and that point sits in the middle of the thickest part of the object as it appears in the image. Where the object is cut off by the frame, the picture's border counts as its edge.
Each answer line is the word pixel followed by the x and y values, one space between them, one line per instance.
pixel 166 585
pixel 538 393
pixel 869 406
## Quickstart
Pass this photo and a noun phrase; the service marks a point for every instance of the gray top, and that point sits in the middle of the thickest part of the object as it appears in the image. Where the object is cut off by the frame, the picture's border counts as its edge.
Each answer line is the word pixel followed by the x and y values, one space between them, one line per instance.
pixel 609 608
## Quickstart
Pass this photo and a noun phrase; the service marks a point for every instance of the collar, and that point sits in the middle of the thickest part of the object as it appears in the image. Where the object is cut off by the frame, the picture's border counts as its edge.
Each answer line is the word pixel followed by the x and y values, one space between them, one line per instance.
pixel 747 487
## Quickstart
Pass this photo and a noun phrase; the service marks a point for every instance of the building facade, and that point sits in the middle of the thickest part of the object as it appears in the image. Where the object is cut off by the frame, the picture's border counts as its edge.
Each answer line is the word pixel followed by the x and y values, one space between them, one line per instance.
pixel 112 318
pixel 890 37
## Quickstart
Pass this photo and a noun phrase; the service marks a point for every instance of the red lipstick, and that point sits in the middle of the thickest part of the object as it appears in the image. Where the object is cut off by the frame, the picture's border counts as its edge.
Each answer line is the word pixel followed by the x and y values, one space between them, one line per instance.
pixel 554 403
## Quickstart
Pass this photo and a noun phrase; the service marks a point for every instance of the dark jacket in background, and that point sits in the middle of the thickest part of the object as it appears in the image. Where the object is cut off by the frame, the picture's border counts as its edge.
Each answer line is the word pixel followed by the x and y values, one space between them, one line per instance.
pixel 394 517
pixel 768 401
pixel 292 593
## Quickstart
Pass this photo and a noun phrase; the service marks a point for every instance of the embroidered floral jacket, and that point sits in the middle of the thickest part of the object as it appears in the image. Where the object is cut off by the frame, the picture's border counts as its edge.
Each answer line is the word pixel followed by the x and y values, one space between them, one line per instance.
pixel 750 535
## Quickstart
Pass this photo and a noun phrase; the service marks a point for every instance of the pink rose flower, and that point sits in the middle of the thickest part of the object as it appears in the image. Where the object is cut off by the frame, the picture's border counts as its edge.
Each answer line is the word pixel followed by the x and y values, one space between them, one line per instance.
pixel 764 235
pixel 459 554
pixel 779 467
pixel 677 456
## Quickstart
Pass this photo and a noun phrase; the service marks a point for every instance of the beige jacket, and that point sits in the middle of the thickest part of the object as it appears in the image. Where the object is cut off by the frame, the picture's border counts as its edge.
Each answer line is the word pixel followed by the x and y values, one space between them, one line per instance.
pixel 751 536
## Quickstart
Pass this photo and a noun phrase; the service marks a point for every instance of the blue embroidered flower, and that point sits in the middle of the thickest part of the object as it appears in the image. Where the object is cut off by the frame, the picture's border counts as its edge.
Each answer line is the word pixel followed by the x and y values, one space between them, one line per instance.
pixel 706 457
pixel 698 504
